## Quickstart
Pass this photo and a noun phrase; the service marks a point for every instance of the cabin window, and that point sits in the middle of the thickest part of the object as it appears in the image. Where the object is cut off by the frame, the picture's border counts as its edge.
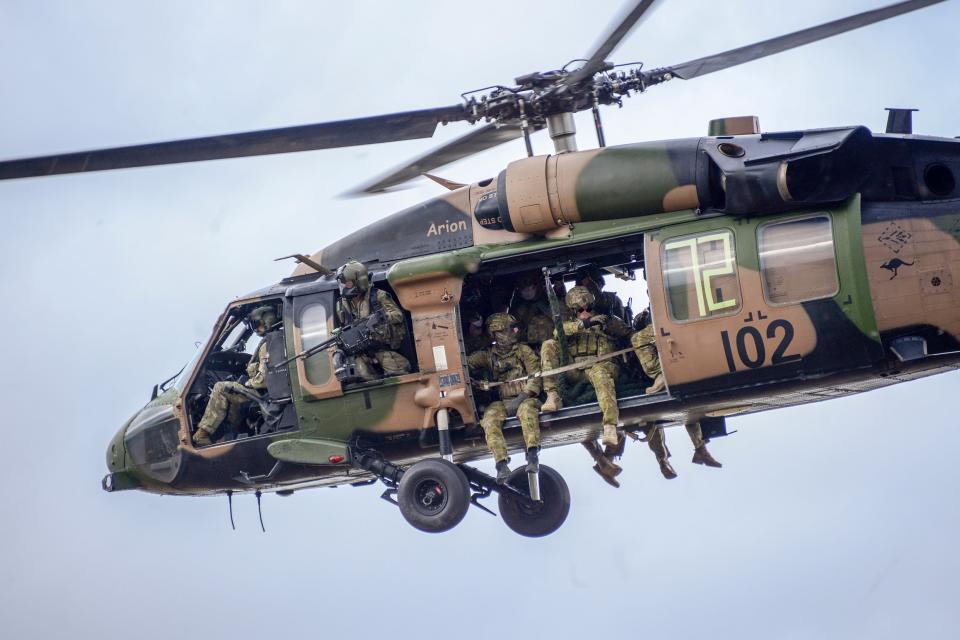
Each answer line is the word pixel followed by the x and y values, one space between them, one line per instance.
pixel 797 260
pixel 313 331
pixel 700 276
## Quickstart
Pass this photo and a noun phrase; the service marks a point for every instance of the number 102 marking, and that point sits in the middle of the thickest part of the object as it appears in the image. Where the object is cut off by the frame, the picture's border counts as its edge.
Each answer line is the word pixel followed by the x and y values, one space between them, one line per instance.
pixel 753 335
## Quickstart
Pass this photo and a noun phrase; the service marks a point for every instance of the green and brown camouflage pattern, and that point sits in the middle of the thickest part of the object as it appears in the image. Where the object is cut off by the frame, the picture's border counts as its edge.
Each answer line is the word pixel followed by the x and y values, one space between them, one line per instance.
pixel 897 240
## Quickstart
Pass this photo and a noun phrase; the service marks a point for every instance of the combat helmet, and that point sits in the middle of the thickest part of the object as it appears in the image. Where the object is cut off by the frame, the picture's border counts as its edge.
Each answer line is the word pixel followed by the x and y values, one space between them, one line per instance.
pixel 580 297
pixel 265 315
pixel 356 272
pixel 502 327
pixel 593 273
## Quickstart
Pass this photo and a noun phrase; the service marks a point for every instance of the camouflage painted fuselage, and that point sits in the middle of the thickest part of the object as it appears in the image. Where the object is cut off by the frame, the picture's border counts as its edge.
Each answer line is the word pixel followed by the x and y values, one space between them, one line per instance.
pixel 748 334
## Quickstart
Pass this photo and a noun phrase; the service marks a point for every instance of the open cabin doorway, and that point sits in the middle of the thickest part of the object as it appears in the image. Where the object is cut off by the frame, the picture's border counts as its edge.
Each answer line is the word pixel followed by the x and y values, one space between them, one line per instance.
pixel 524 284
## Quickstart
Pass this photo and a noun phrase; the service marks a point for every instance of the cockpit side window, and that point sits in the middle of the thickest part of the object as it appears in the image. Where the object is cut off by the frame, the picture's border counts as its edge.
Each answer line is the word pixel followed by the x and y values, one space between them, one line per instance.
pixel 314 329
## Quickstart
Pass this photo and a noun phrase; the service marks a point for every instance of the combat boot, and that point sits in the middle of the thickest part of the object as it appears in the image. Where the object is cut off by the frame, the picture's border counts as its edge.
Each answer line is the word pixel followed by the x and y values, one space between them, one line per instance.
pixel 552 403
pixel 702 456
pixel 533 461
pixel 605 472
pixel 503 472
pixel 201 438
pixel 605 468
pixel 610 437
pixel 658 385
pixel 667 469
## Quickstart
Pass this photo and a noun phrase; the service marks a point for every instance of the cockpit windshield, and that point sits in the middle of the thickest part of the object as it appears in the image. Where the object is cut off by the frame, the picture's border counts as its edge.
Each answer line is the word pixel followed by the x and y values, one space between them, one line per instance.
pixel 180 380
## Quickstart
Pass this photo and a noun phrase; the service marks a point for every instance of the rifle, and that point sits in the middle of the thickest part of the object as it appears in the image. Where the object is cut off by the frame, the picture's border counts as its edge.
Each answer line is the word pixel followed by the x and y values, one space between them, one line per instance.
pixel 351 339
pixel 556 310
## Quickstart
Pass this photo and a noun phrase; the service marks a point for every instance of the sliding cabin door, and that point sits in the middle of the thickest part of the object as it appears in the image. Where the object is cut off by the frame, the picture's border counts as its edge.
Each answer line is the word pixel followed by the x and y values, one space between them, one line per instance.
pixel 744 302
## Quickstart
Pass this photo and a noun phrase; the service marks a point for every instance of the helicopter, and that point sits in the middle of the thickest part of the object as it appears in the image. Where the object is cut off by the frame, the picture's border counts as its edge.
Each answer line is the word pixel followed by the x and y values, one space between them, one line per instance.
pixel 772 347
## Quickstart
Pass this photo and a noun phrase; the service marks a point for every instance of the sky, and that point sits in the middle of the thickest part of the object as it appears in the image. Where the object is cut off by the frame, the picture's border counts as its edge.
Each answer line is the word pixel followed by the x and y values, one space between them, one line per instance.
pixel 833 520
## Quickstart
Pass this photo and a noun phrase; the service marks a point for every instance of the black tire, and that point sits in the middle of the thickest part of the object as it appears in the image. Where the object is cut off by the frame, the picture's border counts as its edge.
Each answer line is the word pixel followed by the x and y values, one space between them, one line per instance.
pixel 537 520
pixel 434 495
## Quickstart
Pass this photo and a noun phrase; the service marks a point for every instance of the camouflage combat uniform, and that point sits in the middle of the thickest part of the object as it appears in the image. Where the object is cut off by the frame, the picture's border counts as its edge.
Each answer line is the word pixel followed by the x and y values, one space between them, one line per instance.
pixel 532 310
pixel 644 346
pixel 586 342
pixel 506 362
pixel 389 336
pixel 227 397
pixel 644 343
pixel 606 303
pixel 536 323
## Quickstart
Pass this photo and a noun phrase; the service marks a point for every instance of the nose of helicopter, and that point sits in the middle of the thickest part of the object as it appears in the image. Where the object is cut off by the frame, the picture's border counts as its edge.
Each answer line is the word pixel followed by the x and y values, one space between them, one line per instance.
pixel 116 462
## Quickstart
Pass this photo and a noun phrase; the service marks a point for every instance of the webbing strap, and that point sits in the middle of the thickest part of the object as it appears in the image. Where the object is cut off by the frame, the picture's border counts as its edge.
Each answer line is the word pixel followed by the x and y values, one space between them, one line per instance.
pixel 583 364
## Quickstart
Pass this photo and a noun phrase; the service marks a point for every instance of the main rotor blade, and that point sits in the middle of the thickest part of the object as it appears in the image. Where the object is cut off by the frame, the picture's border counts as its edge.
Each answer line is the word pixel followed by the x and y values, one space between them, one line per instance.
pixel 474 142
pixel 617 33
pixel 407 125
pixel 709 64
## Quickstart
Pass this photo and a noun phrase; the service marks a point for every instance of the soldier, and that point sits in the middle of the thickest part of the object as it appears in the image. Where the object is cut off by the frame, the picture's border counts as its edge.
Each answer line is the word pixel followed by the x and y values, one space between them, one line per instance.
pixel 507 360
pixel 645 348
pixel 589 335
pixel 474 336
pixel 228 397
pixel 605 467
pixel 607 302
pixel 358 300
pixel 532 310
pixel 644 342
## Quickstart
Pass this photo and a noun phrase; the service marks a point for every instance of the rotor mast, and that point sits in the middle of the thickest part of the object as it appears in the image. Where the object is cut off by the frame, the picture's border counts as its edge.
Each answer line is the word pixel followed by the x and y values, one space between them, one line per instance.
pixel 563 131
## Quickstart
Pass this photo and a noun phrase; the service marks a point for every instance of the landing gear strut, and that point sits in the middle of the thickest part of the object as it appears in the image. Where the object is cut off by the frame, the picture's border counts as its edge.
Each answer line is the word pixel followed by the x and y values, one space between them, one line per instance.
pixel 434 494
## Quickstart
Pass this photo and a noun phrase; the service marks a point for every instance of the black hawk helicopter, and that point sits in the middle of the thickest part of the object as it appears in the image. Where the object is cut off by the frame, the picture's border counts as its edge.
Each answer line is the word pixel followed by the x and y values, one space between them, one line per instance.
pixel 756 248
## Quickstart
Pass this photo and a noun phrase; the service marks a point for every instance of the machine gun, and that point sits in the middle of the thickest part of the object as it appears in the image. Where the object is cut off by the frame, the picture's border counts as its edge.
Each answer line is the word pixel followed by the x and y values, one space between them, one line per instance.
pixel 349 340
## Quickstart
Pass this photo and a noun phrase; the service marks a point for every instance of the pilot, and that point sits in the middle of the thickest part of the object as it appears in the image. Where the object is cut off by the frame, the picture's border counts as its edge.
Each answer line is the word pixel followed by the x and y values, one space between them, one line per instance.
pixel 532 310
pixel 508 360
pixel 358 300
pixel 227 396
pixel 644 345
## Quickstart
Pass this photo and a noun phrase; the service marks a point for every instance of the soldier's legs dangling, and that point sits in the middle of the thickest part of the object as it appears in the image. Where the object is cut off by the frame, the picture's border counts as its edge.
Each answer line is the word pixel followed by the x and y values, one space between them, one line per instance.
pixel 602 375
pixel 222 398
pixel 492 424
pixel 550 356
pixel 645 347
pixel 658 444
pixel 606 468
pixel 528 413
pixel 700 453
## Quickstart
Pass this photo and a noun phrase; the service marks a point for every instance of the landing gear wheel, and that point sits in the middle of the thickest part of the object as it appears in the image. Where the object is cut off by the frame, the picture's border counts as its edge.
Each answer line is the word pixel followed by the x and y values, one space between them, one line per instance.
pixel 536 520
pixel 434 495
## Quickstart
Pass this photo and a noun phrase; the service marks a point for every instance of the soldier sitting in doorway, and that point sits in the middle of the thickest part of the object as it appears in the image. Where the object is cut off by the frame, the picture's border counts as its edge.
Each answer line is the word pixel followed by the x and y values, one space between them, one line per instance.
pixel 606 303
pixel 644 345
pixel 507 359
pixel 358 299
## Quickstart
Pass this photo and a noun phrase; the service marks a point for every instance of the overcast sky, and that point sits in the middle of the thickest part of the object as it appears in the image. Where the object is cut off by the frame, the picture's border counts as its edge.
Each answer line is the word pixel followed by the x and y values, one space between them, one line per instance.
pixel 837 520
